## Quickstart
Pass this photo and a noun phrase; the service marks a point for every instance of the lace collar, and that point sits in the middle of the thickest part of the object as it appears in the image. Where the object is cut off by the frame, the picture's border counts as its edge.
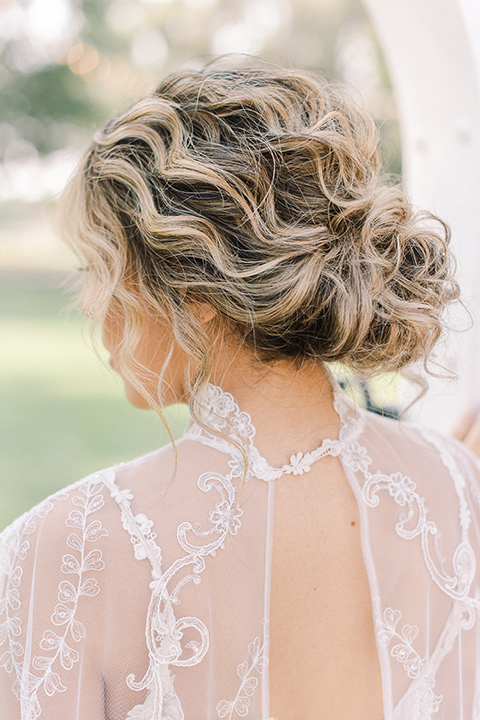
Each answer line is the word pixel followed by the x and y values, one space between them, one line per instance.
pixel 220 411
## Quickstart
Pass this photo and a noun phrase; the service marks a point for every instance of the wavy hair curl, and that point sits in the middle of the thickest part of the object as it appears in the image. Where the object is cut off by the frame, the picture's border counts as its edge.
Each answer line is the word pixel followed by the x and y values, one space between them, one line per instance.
pixel 258 190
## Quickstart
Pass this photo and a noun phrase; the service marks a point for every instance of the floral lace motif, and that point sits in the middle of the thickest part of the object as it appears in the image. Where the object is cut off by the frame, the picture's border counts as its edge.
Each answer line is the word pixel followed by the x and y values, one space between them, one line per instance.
pixel 163 633
pixel 413 523
pixel 420 702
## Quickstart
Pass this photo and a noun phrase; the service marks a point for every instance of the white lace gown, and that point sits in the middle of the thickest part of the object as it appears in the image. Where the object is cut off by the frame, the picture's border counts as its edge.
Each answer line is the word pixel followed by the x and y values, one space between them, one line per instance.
pixel 120 599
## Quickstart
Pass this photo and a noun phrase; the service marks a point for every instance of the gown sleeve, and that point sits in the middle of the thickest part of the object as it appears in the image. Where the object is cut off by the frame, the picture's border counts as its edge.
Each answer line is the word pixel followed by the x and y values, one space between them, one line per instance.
pixel 52 572
pixel 102 612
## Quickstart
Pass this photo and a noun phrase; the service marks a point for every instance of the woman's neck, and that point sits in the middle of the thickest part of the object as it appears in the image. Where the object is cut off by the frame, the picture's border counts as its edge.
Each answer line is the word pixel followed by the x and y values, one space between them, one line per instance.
pixel 291 406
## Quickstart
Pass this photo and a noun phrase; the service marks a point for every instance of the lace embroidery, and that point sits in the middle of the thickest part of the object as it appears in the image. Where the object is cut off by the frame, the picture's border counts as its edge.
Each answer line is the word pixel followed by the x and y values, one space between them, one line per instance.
pixel 162 702
pixel 413 523
pixel 257 663
pixel 355 456
pixel 164 632
pixel 56 644
pixel 428 703
pixel 403 491
pixel 225 517
pixel 403 650
pixel 420 703
pixel 299 463
pixel 221 412
pixel 10 603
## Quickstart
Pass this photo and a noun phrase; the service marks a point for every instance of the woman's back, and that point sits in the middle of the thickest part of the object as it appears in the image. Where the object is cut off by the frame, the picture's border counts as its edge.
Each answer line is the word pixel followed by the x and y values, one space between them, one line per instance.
pixel 323 655
pixel 133 597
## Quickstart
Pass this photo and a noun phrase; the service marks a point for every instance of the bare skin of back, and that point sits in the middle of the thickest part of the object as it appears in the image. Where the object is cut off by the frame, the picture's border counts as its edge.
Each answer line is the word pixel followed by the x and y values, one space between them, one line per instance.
pixel 323 658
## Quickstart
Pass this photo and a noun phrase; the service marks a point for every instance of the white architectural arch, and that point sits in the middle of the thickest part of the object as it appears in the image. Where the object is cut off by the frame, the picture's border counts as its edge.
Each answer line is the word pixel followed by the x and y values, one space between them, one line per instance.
pixel 432 50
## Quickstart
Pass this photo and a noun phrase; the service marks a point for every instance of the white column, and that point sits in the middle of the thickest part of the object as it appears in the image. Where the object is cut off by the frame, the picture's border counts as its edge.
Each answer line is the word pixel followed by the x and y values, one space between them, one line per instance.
pixel 432 50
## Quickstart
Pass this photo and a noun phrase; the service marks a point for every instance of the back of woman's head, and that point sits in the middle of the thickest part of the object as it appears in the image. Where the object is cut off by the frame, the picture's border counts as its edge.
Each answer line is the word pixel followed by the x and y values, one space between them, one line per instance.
pixel 257 190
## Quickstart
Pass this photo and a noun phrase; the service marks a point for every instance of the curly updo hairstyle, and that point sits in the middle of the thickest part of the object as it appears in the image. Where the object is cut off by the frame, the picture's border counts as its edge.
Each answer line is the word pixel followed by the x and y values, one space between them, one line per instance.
pixel 257 189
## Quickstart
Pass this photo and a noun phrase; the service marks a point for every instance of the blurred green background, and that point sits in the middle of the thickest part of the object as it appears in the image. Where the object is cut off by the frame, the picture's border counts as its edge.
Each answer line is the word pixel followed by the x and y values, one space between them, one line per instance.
pixel 66 67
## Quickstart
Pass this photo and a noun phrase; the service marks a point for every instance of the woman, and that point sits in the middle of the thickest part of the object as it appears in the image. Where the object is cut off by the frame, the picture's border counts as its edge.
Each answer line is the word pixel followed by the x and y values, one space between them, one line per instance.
pixel 292 556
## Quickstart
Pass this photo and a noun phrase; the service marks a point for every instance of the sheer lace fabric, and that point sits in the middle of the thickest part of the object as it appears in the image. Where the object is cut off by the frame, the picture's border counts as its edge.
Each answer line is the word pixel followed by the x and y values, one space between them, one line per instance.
pixel 126 597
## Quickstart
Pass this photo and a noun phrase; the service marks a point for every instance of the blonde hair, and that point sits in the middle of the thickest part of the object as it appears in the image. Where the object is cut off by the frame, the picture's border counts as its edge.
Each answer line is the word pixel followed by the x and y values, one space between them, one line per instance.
pixel 258 190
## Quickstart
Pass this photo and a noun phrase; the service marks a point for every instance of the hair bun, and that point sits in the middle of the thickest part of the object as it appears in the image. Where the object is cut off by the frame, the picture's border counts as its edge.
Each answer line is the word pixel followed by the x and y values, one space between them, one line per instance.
pixel 259 190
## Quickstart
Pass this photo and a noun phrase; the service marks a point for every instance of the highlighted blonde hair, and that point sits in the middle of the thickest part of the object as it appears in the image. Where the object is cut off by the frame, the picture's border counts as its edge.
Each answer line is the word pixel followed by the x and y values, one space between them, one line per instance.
pixel 257 189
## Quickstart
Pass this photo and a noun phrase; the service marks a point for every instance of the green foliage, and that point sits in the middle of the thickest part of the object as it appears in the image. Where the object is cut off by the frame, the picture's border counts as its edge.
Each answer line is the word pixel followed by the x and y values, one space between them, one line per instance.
pixel 44 105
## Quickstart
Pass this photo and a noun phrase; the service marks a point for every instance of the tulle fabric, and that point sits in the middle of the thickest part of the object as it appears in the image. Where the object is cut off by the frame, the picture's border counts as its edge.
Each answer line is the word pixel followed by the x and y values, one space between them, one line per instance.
pixel 128 596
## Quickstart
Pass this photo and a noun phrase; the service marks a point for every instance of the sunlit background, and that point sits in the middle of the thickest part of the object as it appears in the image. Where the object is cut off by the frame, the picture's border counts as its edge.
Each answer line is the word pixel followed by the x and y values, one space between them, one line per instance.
pixel 66 67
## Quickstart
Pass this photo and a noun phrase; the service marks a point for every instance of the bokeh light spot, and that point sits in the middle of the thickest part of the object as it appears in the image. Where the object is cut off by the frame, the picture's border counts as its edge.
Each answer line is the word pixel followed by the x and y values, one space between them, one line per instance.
pixel 88 62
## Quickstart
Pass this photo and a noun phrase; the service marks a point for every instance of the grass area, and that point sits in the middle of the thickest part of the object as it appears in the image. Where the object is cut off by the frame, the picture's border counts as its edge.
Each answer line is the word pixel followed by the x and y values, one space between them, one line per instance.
pixel 62 414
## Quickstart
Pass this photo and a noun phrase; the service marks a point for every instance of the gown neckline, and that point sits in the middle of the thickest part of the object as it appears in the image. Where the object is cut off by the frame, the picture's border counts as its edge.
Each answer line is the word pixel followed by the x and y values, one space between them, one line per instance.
pixel 220 411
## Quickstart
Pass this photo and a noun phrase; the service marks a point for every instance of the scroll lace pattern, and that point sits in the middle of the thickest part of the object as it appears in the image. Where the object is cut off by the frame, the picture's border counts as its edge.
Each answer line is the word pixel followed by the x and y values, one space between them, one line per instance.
pixel 57 644
pixel 164 632
pixel 413 523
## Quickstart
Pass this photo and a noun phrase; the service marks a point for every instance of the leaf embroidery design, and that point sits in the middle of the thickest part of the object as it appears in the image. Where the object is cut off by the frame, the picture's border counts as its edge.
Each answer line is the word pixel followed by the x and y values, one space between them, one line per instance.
pixel 421 703
pixel 240 705
pixel 403 650
pixel 11 577
pixel 57 643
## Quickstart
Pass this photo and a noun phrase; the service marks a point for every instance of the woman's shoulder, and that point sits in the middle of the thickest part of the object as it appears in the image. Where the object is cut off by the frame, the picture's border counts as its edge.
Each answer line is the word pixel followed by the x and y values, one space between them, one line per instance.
pixel 107 496
pixel 437 463
pixel 61 562
pixel 87 492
